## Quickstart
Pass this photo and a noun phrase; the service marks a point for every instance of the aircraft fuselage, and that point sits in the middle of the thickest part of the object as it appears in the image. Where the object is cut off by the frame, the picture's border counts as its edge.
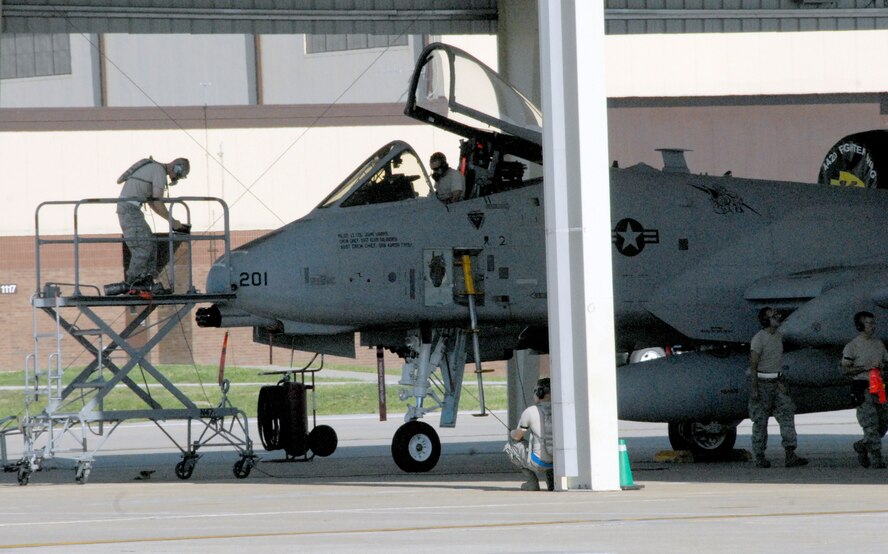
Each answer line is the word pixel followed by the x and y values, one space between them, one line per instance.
pixel 687 251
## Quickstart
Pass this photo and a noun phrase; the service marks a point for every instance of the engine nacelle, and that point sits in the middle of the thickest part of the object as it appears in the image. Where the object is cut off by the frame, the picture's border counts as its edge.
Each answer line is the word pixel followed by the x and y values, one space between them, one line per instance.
pixel 718 385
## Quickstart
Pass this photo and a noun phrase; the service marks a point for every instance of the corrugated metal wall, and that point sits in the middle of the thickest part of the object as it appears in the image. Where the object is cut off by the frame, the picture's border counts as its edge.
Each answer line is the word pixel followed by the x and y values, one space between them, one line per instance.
pixel 387 17
pixel 742 16
pixel 384 17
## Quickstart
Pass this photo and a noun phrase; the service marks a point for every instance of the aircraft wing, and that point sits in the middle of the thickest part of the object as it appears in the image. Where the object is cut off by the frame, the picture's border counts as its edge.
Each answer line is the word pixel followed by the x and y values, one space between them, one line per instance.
pixel 826 301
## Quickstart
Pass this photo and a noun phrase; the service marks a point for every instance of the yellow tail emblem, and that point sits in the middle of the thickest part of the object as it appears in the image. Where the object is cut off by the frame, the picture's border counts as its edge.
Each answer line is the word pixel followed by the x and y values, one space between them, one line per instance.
pixel 847 179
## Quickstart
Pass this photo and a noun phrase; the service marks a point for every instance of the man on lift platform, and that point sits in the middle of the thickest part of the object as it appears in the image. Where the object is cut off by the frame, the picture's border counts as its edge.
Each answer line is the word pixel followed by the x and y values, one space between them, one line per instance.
pixel 145 182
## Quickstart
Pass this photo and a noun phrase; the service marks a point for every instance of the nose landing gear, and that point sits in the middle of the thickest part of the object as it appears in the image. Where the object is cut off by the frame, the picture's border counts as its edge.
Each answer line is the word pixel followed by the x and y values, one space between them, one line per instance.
pixel 416 447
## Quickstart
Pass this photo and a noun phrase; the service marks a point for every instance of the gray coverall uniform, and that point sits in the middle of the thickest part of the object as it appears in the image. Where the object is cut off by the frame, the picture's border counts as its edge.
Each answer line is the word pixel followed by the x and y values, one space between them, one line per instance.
pixel 145 183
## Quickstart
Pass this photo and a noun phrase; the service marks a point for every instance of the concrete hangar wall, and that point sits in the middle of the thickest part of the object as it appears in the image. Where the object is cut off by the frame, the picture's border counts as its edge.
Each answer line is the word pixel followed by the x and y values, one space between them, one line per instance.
pixel 249 116
pixel 762 105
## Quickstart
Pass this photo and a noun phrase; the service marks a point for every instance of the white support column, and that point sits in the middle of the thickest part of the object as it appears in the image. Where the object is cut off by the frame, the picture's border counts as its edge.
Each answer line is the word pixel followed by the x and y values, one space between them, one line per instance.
pixel 578 245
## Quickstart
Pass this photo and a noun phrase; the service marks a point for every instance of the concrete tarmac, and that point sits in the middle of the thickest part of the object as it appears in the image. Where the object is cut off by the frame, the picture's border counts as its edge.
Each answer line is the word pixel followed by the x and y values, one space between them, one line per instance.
pixel 357 500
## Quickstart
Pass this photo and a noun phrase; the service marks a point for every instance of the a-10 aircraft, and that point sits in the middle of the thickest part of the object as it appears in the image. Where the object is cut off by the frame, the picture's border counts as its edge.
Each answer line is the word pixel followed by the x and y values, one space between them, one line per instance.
pixel 694 258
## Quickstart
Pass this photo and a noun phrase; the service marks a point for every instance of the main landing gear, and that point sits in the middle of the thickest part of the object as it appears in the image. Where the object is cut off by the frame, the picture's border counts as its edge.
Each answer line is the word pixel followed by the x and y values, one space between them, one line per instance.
pixel 706 441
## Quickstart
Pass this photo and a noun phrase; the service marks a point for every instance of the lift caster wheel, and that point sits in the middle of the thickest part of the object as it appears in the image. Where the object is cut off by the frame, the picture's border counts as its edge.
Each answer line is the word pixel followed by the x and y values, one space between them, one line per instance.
pixel 185 468
pixel 243 467
pixel 81 472
pixel 24 475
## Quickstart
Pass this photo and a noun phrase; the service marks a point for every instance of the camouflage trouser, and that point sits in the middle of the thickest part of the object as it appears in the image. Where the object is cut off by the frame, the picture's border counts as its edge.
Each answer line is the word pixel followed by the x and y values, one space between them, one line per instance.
pixel 139 239
pixel 873 419
pixel 772 401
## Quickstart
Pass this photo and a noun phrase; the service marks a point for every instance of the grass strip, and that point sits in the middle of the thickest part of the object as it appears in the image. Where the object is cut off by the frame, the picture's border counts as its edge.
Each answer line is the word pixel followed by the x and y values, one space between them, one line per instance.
pixel 329 399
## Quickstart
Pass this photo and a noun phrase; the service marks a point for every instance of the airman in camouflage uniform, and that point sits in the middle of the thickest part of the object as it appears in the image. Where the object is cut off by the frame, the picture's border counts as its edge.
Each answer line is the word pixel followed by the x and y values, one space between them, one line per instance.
pixel 864 352
pixel 768 392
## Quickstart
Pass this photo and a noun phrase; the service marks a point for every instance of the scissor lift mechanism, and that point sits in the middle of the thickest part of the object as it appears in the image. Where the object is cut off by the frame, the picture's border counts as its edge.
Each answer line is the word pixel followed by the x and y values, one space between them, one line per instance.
pixel 75 412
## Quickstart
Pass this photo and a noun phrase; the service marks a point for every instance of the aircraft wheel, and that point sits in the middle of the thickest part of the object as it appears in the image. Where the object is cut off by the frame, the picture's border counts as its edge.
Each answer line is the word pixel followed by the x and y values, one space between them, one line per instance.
pixel 416 447
pixel 646 354
pixel 323 440
pixel 708 441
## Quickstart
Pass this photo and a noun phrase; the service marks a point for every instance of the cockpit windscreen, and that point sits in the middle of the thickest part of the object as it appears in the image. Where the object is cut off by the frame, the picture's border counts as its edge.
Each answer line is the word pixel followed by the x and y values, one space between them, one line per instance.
pixel 392 174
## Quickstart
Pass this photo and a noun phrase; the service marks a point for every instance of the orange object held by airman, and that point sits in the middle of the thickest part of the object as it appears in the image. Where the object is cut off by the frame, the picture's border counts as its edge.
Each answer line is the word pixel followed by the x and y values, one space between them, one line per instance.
pixel 877 386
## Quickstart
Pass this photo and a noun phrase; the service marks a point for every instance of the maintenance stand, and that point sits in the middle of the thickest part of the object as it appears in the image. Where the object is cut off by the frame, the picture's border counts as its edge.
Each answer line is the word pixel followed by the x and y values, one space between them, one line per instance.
pixel 69 419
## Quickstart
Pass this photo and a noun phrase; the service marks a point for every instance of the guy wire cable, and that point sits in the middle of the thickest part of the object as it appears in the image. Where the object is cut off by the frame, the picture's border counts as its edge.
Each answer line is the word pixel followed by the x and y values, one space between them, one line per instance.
pixel 246 189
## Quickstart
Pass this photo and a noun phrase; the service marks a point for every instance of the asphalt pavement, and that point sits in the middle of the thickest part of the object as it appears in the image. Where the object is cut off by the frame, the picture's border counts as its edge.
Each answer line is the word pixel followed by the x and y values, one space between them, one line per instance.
pixel 357 500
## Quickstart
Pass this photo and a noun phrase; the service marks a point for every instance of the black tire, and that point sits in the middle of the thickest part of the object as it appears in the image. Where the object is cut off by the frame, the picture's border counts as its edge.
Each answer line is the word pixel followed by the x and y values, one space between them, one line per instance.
pixel 676 438
pixel 184 470
pixel 242 468
pixel 702 441
pixel 323 440
pixel 416 447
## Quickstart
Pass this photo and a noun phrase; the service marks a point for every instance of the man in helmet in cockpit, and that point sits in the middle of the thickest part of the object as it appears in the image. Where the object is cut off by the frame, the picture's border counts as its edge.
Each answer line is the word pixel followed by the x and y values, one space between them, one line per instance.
pixel 145 183
pixel 450 184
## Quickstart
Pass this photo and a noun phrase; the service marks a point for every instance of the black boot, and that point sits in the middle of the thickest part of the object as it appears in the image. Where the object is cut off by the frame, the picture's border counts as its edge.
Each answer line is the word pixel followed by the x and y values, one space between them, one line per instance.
pixel 792 460
pixel 532 482
pixel 143 282
pixel 146 283
pixel 862 455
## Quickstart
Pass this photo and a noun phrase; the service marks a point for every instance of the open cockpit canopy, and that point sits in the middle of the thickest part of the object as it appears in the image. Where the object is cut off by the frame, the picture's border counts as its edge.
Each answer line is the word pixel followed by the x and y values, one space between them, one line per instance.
pixel 454 91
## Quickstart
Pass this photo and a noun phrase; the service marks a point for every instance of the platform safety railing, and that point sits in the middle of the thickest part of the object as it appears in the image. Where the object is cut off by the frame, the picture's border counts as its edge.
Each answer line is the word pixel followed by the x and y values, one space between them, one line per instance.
pixel 76 239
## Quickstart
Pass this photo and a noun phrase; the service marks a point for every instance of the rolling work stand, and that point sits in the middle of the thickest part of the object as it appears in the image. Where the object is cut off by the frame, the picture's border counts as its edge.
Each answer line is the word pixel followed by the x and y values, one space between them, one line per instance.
pixel 70 419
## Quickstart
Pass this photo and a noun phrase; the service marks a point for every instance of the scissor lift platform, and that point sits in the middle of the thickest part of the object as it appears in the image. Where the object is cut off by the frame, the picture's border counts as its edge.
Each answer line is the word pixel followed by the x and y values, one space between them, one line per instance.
pixel 74 422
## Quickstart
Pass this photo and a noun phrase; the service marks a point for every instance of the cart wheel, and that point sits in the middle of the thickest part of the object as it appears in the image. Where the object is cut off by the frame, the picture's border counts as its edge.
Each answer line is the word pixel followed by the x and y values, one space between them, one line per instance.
pixel 243 467
pixel 323 440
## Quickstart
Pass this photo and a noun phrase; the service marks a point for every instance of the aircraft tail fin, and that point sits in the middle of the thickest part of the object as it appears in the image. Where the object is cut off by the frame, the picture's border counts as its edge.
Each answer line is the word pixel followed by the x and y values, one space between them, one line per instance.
pixel 857 160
